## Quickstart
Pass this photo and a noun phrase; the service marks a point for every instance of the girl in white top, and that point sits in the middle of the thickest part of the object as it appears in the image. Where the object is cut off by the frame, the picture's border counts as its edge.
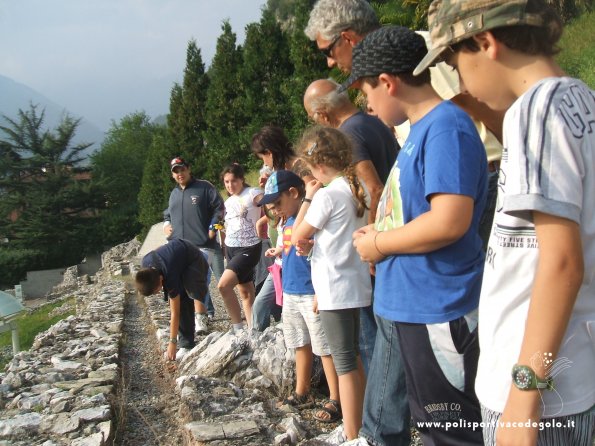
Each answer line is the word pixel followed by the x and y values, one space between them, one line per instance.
pixel 341 280
pixel 242 245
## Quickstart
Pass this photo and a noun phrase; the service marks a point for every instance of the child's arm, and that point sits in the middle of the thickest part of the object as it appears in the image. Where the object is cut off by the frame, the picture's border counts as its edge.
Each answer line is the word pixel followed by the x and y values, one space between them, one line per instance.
pixel 273 252
pixel 174 321
pixel 558 279
pixel 301 229
pixel 447 221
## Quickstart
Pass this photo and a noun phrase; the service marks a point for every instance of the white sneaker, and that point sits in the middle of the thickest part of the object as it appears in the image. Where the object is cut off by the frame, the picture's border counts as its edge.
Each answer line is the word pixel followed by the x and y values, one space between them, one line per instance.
pixel 335 438
pixel 200 324
pixel 357 442
pixel 181 353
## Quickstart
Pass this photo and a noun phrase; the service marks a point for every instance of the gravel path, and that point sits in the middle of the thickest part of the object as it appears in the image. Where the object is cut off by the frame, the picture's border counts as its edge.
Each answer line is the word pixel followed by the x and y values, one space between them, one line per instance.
pixel 148 404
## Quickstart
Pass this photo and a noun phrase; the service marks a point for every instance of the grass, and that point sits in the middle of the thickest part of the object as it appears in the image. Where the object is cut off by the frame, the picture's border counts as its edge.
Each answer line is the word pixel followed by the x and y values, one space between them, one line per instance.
pixel 577 57
pixel 30 325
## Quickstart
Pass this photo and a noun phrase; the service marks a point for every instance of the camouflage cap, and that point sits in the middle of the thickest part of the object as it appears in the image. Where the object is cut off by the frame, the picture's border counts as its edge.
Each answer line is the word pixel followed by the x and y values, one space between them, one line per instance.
pixel 451 21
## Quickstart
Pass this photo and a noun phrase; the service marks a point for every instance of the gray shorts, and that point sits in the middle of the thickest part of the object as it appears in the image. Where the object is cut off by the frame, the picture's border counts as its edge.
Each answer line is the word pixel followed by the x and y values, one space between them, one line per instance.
pixel 301 326
pixel 343 339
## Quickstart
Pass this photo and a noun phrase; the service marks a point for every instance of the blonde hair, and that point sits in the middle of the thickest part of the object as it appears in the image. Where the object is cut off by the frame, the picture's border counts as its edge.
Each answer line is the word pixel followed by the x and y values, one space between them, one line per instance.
pixel 330 147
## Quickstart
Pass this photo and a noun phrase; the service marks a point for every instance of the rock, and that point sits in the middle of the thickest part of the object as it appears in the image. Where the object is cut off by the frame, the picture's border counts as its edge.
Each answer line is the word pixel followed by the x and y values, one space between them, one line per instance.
pixel 216 357
pixel 101 413
pixel 91 440
pixel 63 365
pixel 65 423
pixel 21 425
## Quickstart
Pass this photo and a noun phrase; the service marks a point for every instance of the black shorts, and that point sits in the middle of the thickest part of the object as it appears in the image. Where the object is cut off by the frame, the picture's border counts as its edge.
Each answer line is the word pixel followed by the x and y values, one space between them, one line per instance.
pixel 242 261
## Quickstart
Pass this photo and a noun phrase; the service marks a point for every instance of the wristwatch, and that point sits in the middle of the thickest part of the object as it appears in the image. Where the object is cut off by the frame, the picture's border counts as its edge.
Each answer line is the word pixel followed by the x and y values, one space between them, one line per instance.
pixel 524 378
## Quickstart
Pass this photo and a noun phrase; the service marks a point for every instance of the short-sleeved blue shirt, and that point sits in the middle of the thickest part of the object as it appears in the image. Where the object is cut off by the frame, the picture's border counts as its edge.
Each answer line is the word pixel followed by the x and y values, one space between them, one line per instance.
pixel 442 155
pixel 297 273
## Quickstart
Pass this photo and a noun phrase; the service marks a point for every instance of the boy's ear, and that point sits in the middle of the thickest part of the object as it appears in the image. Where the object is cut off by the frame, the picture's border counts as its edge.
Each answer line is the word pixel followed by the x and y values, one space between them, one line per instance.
pixel 293 193
pixel 389 83
pixel 488 44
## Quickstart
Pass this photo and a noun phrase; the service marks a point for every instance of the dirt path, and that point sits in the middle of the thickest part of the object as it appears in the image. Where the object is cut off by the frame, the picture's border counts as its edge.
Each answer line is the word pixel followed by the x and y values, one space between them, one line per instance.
pixel 148 410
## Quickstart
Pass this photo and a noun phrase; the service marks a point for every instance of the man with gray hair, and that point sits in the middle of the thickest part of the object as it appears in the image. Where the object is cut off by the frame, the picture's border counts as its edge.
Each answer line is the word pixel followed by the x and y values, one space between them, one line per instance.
pixel 337 26
pixel 374 146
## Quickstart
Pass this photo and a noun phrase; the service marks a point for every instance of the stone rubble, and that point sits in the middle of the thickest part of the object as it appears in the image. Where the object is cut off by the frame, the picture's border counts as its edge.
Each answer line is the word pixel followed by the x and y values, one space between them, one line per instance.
pixel 63 390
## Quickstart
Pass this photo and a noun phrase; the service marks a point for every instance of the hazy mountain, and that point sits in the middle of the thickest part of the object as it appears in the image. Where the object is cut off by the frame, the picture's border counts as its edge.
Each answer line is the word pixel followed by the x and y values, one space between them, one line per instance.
pixel 15 96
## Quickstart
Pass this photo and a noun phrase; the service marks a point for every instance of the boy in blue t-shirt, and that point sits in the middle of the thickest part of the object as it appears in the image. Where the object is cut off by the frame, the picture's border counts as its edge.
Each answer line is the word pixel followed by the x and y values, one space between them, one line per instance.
pixel 284 193
pixel 425 242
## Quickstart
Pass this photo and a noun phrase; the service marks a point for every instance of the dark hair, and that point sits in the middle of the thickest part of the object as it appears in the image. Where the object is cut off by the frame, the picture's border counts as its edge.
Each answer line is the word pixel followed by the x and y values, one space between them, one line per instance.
pixel 147 280
pixel 533 40
pixel 407 78
pixel 331 147
pixel 236 170
pixel 272 139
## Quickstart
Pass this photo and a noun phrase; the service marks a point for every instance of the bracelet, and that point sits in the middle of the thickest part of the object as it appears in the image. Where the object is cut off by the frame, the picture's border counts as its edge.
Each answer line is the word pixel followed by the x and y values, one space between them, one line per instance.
pixel 173 340
pixel 376 246
pixel 306 200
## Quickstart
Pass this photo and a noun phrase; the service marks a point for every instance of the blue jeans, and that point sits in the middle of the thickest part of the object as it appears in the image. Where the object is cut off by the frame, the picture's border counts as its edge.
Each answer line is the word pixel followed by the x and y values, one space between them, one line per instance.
pixel 215 267
pixel 367 336
pixel 386 409
pixel 265 305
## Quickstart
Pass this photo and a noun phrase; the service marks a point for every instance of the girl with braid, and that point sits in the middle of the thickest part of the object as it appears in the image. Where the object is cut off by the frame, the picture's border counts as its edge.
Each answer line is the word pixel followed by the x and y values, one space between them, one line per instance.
pixel 341 280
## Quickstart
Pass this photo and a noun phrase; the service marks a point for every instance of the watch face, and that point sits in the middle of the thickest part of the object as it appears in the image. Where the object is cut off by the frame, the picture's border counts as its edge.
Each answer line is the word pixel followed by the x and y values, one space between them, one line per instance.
pixel 522 378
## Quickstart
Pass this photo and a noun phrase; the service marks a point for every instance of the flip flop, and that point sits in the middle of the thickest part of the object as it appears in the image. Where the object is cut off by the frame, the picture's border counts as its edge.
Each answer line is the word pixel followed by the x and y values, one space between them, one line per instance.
pixel 332 408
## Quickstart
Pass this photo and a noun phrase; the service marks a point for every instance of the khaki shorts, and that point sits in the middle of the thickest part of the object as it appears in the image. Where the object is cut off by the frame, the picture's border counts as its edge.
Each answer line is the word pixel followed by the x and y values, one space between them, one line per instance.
pixel 301 326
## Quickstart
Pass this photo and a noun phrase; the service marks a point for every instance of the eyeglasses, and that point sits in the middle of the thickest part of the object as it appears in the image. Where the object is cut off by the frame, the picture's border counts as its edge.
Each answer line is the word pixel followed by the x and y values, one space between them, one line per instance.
pixel 329 48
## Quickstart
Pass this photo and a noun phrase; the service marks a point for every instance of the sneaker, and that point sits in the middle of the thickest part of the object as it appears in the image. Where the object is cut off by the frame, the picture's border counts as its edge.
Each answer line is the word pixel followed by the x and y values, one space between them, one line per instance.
pixel 200 324
pixel 336 437
pixel 181 353
pixel 357 442
pixel 211 317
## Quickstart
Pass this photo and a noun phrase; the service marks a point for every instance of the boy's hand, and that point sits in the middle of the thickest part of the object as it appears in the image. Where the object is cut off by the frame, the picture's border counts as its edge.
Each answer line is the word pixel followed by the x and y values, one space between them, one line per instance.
pixel 311 188
pixel 170 354
pixel 167 230
pixel 365 244
pixel 273 252
pixel 521 406
pixel 303 247
pixel 315 304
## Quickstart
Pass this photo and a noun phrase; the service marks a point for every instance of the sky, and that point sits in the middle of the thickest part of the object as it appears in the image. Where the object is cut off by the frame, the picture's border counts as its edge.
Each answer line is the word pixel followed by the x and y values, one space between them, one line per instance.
pixel 104 59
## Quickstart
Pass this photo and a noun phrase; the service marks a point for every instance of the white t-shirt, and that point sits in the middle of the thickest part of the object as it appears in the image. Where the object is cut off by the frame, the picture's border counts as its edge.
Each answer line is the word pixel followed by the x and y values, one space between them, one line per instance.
pixel 341 280
pixel 241 215
pixel 548 165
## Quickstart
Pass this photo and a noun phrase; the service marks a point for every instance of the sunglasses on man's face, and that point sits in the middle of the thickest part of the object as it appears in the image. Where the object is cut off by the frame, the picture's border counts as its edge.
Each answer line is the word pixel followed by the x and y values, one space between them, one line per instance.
pixel 329 48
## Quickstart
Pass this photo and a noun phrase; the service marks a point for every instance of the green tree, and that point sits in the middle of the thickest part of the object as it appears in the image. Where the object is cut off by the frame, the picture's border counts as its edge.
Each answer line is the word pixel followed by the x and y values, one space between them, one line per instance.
pixel 410 13
pixel 117 172
pixel 47 205
pixel 186 119
pixel 156 182
pixel 224 115
pixel 308 65
pixel 266 68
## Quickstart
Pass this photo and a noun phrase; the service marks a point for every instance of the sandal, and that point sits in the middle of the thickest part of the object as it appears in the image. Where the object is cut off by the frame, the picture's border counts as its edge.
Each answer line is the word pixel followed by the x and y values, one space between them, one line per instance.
pixel 297 401
pixel 331 412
